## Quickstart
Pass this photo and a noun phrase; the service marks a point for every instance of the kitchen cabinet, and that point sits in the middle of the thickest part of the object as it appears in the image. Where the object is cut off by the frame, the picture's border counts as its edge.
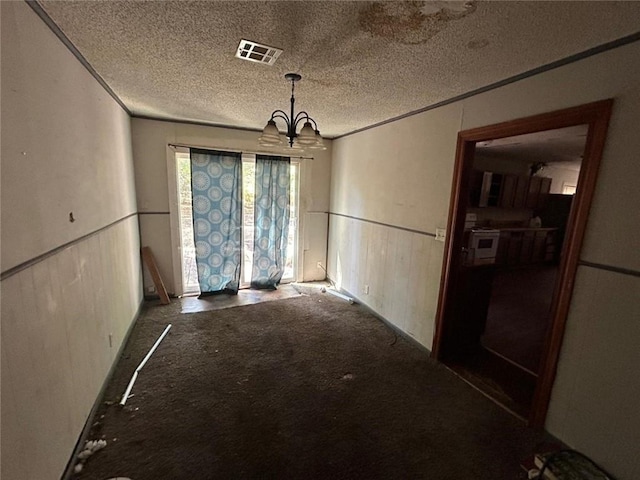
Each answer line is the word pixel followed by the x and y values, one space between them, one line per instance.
pixel 526 246
pixel 537 192
pixel 514 245
pixel 539 248
pixel 514 191
pixel 522 187
pixel 533 192
pixel 486 188
pixel 543 194
pixel 508 190
pixel 503 247
pixel 526 249
pixel 552 246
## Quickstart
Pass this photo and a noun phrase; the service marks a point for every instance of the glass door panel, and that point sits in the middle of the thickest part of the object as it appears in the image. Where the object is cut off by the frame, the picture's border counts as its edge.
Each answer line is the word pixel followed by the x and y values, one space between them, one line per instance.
pixel 189 268
pixel 188 250
pixel 248 202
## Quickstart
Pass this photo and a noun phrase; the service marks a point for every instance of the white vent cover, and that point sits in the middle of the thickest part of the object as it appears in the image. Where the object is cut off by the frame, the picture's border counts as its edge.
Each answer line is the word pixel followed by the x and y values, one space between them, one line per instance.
pixel 256 52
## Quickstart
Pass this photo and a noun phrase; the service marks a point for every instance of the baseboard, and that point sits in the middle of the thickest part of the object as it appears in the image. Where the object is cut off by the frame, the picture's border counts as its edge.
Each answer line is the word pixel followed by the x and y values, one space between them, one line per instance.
pixel 68 471
pixel 397 330
pixel 154 296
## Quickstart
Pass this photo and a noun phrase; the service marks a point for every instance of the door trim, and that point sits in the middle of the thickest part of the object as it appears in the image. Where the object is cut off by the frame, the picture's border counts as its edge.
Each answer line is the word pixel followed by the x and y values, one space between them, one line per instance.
pixel 596 115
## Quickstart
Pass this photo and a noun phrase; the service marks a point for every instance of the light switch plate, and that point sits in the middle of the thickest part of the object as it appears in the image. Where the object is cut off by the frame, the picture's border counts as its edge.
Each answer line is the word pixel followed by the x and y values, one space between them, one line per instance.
pixel 440 234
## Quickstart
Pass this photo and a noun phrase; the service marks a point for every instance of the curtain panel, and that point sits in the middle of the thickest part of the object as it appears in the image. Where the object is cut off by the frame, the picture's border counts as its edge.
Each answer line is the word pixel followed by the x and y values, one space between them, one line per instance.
pixel 271 220
pixel 216 185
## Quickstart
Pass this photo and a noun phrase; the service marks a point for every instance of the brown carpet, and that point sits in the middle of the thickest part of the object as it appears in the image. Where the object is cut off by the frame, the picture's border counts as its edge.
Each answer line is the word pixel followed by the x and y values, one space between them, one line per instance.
pixel 302 388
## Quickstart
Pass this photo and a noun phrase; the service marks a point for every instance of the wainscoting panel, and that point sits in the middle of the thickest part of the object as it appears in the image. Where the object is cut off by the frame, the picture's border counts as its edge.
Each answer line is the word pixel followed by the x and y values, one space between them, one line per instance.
pixel 393 271
pixel 312 246
pixel 63 321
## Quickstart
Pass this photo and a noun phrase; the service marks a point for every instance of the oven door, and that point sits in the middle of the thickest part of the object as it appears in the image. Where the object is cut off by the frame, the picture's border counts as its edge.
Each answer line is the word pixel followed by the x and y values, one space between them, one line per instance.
pixel 486 246
pixel 483 247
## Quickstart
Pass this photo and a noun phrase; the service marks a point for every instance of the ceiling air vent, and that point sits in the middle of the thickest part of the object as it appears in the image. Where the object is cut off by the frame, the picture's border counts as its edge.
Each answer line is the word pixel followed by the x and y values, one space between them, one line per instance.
pixel 256 52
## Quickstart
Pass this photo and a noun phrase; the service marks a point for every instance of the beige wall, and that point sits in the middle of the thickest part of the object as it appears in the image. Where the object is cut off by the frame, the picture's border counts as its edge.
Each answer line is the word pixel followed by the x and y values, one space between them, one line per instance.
pixel 559 176
pixel 388 176
pixel 66 147
pixel 400 174
pixel 152 159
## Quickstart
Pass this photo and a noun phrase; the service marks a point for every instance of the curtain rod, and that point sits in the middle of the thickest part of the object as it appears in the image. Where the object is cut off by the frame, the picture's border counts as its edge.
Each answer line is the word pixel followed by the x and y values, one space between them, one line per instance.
pixel 179 145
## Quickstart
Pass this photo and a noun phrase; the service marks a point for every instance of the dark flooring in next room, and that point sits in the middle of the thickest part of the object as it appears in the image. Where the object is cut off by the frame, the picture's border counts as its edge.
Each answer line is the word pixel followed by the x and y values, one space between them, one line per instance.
pixel 518 314
pixel 506 367
pixel 307 387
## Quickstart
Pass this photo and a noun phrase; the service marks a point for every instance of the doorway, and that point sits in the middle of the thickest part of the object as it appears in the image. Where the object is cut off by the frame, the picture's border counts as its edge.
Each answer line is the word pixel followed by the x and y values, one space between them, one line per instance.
pixel 188 267
pixel 462 339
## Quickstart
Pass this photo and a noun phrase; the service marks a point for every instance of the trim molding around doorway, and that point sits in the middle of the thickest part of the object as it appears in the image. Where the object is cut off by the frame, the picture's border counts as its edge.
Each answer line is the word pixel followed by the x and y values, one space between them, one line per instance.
pixel 596 115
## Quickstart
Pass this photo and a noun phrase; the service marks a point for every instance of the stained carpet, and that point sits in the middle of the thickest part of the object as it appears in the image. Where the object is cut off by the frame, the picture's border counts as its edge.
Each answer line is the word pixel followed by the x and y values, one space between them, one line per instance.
pixel 309 387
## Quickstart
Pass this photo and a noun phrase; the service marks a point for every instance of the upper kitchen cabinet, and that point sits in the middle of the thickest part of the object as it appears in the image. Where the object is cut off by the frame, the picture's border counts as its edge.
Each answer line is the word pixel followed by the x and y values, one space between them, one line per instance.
pixel 486 188
pixel 489 189
pixel 537 192
pixel 514 191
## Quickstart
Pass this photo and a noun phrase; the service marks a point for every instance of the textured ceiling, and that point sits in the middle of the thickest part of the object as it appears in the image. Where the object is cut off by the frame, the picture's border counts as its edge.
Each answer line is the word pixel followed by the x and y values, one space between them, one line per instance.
pixel 562 147
pixel 361 62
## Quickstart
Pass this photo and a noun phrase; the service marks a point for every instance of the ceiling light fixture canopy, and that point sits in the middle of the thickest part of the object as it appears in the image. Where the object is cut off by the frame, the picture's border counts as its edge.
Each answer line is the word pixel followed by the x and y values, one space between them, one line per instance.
pixel 309 136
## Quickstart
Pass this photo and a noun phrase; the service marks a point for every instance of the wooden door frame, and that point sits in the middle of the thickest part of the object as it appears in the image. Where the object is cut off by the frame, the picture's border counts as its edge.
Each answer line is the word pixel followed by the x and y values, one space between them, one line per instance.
pixel 596 115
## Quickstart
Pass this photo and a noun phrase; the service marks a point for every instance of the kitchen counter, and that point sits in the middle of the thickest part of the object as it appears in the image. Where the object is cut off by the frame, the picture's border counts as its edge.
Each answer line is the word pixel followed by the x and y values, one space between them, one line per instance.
pixel 525 229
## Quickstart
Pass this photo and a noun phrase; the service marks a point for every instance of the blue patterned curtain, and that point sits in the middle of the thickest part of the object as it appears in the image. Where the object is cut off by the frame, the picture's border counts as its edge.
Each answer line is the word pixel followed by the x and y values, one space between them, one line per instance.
pixel 271 220
pixel 216 184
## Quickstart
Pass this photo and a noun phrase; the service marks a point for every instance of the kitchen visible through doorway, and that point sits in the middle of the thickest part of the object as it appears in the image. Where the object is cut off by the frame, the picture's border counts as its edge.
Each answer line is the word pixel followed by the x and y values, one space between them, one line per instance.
pixel 487 195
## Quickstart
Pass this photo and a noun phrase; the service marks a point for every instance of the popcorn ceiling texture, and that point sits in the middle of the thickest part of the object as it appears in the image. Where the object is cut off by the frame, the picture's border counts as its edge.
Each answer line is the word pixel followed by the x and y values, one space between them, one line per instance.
pixel 361 62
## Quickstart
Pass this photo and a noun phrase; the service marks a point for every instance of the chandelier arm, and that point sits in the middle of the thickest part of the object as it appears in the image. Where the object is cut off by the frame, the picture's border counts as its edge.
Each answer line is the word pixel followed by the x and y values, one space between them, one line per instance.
pixel 299 117
pixel 315 125
pixel 281 115
pixel 307 118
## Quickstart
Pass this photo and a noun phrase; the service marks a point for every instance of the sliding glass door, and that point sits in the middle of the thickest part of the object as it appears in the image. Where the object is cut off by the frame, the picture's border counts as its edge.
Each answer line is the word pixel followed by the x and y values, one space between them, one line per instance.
pixel 185 222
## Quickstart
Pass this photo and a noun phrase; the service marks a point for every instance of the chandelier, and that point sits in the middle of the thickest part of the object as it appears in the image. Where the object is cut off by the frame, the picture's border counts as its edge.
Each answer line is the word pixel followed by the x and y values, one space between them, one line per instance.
pixel 309 136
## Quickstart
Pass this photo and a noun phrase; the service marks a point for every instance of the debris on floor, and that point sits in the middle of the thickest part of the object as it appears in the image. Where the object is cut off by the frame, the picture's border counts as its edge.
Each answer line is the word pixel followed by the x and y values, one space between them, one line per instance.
pixel 566 464
pixel 337 294
pixel 90 447
pixel 127 394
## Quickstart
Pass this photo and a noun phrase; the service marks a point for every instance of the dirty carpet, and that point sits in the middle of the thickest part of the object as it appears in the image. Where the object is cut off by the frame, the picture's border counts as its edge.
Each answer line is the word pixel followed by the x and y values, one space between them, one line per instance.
pixel 309 387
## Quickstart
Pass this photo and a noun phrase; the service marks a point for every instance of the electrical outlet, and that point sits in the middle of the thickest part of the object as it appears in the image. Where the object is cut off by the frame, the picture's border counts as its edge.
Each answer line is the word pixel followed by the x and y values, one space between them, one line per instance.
pixel 366 289
pixel 440 234
pixel 151 289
